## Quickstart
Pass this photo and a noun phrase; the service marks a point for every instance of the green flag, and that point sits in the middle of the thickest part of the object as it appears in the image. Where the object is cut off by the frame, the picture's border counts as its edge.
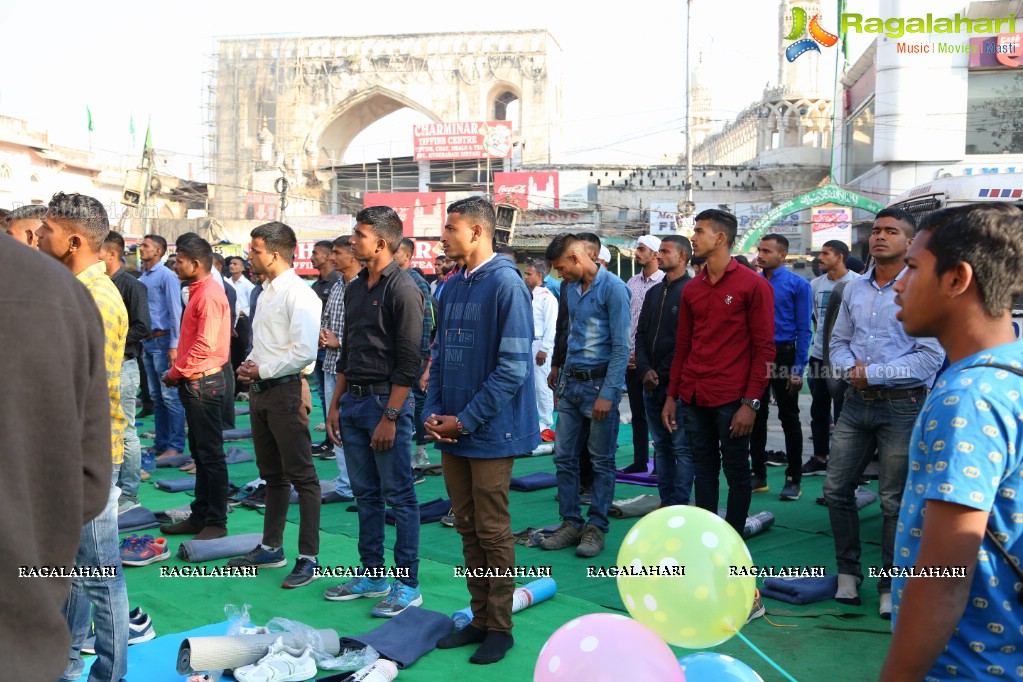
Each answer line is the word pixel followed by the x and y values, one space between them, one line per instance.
pixel 149 136
pixel 88 116
pixel 131 128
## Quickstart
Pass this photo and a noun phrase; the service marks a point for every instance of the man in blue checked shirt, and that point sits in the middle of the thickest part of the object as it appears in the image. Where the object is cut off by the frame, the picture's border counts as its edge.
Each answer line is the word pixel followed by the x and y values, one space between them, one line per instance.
pixel 889 373
pixel 589 390
pixel 793 305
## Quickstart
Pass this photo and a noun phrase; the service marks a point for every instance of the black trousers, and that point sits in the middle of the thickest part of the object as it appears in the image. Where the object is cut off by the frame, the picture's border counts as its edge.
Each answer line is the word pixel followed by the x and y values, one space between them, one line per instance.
pixel 788 413
pixel 640 434
pixel 203 400
pixel 821 408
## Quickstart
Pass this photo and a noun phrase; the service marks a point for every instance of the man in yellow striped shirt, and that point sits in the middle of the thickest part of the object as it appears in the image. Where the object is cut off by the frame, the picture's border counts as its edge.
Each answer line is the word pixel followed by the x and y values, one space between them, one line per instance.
pixel 72 232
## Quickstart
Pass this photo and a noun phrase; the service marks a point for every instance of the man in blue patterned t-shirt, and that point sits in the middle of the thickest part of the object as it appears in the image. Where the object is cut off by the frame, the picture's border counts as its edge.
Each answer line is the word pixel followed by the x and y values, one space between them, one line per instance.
pixel 966 456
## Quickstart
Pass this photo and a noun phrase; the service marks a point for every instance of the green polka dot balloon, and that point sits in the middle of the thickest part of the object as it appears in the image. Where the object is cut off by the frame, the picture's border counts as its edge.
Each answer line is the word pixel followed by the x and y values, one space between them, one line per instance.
pixel 676 576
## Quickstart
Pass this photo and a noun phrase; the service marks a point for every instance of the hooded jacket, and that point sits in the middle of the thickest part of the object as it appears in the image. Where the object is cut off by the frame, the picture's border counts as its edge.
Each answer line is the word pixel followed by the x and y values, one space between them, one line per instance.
pixel 482 369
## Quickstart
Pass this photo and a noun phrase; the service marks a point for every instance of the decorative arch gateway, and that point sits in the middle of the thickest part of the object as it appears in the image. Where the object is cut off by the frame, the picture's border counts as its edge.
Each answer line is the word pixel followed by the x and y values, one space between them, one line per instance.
pixel 292 106
pixel 828 194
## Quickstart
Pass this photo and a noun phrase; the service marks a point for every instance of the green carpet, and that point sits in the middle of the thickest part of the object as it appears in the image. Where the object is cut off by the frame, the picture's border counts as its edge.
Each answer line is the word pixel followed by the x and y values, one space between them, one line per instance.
pixel 820 641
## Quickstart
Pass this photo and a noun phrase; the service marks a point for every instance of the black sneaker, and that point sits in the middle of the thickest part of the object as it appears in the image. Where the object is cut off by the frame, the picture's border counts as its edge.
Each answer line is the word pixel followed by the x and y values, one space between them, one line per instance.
pixel 418 477
pixel 260 557
pixel 322 448
pixel 448 519
pixel 257 500
pixel 303 573
pixel 777 459
pixel 759 484
pixel 242 494
pixel 815 467
pixel 790 491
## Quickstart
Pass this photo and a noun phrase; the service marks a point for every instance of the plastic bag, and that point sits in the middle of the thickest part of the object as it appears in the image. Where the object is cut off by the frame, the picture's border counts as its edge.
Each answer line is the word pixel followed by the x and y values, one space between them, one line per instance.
pixel 237 619
pixel 351 659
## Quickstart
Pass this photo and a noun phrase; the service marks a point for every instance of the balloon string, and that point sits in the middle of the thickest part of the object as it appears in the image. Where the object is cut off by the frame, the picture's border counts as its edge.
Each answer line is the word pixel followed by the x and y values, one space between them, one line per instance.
pixel 766 657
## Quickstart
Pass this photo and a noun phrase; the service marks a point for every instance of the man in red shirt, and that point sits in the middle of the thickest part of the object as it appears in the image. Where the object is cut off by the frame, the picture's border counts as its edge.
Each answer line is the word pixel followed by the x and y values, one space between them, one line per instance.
pixel 203 350
pixel 724 349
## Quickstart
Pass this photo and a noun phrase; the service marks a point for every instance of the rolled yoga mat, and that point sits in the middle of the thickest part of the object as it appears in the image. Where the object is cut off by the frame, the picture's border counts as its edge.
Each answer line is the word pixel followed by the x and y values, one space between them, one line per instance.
pixel 227 653
pixel 237 434
pixel 198 551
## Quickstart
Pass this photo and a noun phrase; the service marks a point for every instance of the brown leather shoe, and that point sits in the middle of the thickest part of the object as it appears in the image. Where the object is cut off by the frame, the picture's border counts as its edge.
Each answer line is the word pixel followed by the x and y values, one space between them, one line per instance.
pixel 179 528
pixel 211 533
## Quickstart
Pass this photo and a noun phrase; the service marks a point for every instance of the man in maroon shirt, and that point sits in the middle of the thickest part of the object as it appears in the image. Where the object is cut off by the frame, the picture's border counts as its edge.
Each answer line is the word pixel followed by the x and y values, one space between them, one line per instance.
pixel 203 349
pixel 724 348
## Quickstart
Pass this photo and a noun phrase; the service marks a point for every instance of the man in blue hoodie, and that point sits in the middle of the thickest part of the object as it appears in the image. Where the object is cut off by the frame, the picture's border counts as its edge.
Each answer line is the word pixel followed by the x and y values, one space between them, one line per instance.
pixel 589 390
pixel 481 410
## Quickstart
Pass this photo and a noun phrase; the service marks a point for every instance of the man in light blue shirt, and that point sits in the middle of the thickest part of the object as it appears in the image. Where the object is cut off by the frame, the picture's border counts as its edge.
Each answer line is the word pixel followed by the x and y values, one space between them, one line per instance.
pixel 889 373
pixel 589 390
pixel 161 349
pixel 963 508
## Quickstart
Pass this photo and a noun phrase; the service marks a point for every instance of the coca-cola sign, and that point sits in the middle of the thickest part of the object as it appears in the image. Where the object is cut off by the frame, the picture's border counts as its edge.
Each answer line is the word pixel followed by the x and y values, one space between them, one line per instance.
pixel 527 191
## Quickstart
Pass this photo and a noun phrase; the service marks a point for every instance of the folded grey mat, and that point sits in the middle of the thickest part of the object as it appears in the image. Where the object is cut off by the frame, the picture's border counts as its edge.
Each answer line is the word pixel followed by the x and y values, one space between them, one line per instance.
pixel 138 518
pixel 178 485
pixel 325 487
pixel 430 469
pixel 228 653
pixel 198 551
pixel 241 409
pixel 235 455
pixel 407 637
pixel 237 434
pixel 641 505
pixel 173 461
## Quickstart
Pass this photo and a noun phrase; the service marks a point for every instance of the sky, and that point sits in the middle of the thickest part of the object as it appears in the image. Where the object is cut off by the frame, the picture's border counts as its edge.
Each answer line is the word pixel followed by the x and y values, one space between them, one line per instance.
pixel 623 65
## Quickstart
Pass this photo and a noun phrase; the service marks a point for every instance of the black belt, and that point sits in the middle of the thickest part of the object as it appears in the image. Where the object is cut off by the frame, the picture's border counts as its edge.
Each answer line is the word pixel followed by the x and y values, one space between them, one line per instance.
pixel 363 390
pixel 586 374
pixel 889 393
pixel 266 384
pixel 785 344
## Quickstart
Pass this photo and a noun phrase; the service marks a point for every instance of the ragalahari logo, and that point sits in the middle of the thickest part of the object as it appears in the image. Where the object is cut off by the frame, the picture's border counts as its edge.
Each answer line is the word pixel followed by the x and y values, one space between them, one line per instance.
pixel 818 36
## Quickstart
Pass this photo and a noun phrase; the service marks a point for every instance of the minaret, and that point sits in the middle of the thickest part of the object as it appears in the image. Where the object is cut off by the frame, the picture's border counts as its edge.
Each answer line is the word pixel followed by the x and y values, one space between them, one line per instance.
pixel 700 112
pixel 809 74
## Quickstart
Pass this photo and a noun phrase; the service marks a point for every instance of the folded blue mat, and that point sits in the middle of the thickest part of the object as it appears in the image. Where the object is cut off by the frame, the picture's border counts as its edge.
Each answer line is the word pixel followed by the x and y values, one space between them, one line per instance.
pixel 136 519
pixel 241 409
pixel 800 590
pixel 235 455
pixel 173 461
pixel 538 481
pixel 179 485
pixel 429 512
pixel 407 637
pixel 237 434
pixel 153 661
pixel 198 551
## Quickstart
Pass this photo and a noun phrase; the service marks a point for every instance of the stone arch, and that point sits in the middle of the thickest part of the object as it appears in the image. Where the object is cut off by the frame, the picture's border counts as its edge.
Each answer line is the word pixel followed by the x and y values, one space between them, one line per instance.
pixel 335 129
pixel 500 96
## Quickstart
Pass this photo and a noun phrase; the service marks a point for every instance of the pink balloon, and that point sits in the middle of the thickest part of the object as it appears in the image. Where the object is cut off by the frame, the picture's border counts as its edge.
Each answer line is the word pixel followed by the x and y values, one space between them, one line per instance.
pixel 606 647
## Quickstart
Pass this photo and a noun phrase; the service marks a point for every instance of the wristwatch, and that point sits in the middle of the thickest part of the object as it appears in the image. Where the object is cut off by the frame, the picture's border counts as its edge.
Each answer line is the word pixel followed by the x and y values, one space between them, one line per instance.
pixel 391 414
pixel 753 403
pixel 461 428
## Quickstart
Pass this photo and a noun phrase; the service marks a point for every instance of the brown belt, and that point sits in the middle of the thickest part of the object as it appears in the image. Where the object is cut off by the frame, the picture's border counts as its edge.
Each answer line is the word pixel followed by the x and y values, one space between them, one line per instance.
pixel 157 333
pixel 200 375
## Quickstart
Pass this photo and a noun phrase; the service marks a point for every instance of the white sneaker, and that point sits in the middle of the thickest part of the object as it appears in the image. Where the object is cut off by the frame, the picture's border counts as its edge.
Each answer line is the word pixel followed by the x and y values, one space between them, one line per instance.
pixel 420 458
pixel 320 427
pixel 885 610
pixel 281 664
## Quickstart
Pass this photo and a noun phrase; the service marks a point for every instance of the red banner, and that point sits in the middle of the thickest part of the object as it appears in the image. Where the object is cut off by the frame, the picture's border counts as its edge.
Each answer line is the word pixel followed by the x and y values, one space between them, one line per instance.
pixel 467 140
pixel 422 213
pixel 262 206
pixel 527 191
pixel 426 251
pixel 302 252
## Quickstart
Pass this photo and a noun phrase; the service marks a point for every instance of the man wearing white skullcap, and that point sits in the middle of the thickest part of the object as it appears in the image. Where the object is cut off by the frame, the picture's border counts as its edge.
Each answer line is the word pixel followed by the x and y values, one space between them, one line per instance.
pixel 639 284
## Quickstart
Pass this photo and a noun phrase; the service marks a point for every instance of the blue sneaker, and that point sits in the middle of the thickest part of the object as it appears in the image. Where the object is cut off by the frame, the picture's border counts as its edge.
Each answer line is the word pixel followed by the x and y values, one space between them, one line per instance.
pixel 149 460
pixel 303 573
pixel 260 557
pixel 400 597
pixel 358 587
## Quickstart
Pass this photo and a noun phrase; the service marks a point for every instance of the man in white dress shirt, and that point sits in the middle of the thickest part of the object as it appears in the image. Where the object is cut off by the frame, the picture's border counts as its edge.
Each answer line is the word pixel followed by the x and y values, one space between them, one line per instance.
pixel 285 338
pixel 545 323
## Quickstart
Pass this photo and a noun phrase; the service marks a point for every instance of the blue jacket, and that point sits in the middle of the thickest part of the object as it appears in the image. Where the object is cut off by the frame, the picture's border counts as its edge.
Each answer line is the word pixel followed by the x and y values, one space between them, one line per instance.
pixel 482 369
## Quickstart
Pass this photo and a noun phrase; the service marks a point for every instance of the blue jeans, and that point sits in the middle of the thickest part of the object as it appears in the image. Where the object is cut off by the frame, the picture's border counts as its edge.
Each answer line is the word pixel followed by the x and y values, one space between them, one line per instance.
pixel 575 409
pixel 131 468
pixel 380 476
pixel 168 413
pixel 108 596
pixel 342 486
pixel 863 427
pixel 714 449
pixel 672 454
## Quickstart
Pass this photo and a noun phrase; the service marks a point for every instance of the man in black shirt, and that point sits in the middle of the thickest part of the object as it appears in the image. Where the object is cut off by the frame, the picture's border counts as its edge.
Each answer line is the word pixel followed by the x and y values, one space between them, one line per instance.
pixel 380 362
pixel 136 300
pixel 328 277
pixel 655 350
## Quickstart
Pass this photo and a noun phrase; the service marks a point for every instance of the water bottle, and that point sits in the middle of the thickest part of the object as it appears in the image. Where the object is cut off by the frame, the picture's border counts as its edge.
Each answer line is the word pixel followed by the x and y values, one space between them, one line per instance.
pixel 148 460
pixel 381 670
pixel 757 524
pixel 462 618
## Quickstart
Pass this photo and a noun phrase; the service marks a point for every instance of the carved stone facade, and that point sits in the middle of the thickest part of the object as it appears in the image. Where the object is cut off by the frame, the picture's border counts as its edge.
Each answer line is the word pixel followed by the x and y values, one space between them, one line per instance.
pixel 292 106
